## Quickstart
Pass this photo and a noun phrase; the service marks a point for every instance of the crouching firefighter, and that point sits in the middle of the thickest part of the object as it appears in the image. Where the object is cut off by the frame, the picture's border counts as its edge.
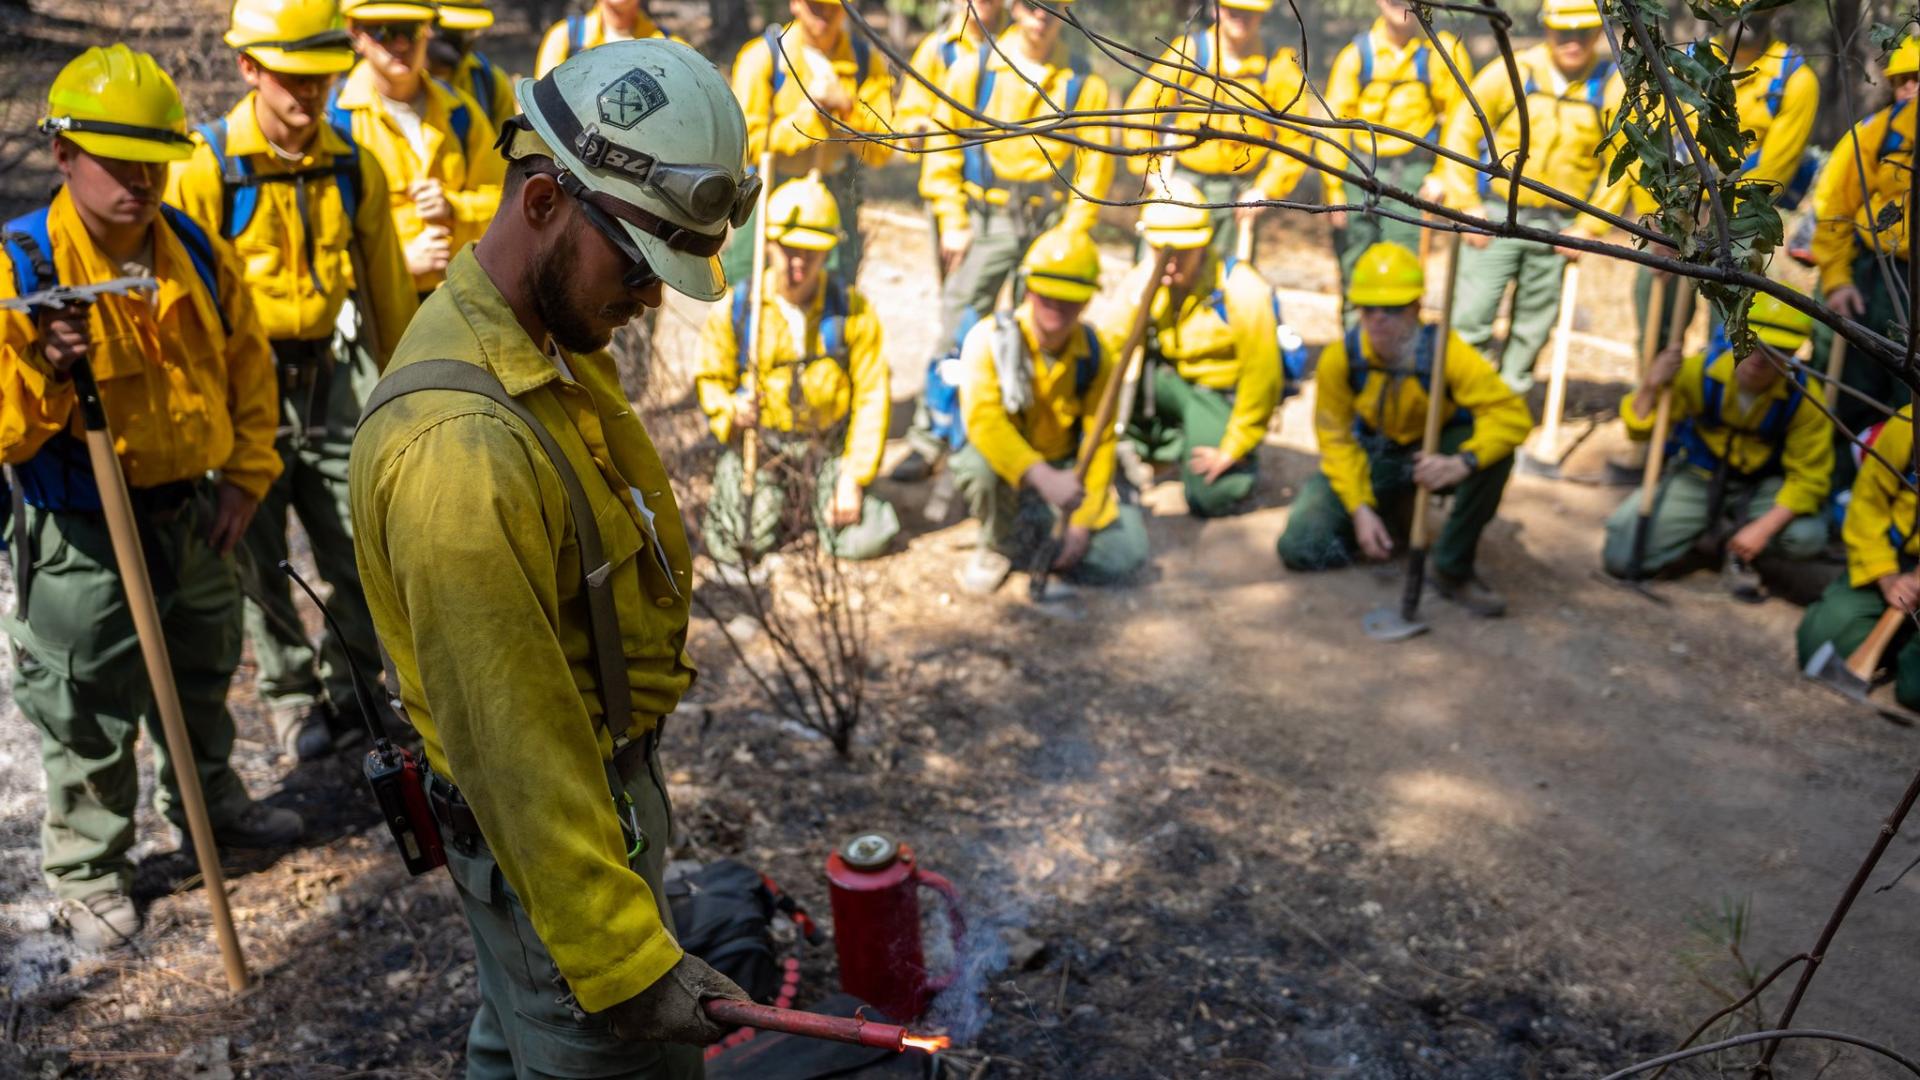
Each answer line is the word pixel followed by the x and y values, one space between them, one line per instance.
pixel 1752 444
pixel 528 571
pixel 186 385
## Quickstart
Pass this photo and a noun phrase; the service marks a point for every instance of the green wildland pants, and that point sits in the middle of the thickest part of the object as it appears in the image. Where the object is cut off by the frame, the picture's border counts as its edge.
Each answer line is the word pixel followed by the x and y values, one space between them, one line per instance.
pixel 1845 616
pixel 1016 524
pixel 1186 415
pixel 1859 373
pixel 1681 506
pixel 529 1027
pixel 81 681
pixel 1319 532
pixel 1536 270
pixel 737 260
pixel 318 416
pixel 1406 172
pixel 728 518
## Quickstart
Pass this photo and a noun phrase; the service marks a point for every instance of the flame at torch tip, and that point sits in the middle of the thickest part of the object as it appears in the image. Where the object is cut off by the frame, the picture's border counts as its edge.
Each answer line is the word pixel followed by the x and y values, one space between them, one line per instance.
pixel 932 1044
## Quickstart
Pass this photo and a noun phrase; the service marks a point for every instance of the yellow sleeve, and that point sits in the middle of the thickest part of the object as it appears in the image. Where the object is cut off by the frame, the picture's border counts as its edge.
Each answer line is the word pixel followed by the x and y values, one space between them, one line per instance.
pixel 1501 419
pixel 504 106
pixel 874 114
pixel 719 375
pixel 1687 400
pixel 1786 142
pixel 253 390
pixel 475 203
pixel 1342 460
pixel 914 110
pixel 389 287
pixel 871 407
pixel 1463 134
pixel 753 89
pixel 1808 457
pixel 1256 342
pixel 34 406
pixel 1837 199
pixel 1605 196
pixel 941 175
pixel 1343 97
pixel 1097 510
pixel 1092 169
pixel 989 429
pixel 553 50
pixel 1870 551
pixel 1285 89
pixel 525 751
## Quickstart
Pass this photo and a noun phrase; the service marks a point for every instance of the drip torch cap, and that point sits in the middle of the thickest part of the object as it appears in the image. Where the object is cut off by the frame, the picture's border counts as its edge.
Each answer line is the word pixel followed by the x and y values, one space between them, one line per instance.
pixel 870 851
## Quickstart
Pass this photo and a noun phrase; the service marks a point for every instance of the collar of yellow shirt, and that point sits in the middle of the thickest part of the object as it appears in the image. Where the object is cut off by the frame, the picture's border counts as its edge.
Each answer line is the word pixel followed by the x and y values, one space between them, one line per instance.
pixel 245 137
pixel 358 92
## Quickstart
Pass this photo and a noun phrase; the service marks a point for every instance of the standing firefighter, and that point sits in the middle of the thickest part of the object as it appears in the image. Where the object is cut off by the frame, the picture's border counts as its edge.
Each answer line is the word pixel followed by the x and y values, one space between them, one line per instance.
pixel 1243 76
pixel 453 60
pixel 433 142
pixel 817 368
pixel 1213 358
pixel 1372 388
pixel 992 200
pixel 1390 76
pixel 1572 95
pixel 973 25
pixel 1753 444
pixel 1033 385
pixel 799 86
pixel 609 20
pixel 307 213
pixel 186 382
pixel 528 570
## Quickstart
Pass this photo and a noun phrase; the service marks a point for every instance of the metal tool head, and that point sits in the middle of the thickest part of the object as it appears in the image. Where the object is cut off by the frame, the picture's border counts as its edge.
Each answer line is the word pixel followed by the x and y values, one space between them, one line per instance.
pixel 1387 624
pixel 66 296
pixel 1829 668
pixel 1637 586
pixel 1526 464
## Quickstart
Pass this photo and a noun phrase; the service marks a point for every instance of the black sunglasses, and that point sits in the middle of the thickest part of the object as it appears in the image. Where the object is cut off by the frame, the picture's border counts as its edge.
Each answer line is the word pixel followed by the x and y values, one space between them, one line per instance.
pixel 390 33
pixel 641 274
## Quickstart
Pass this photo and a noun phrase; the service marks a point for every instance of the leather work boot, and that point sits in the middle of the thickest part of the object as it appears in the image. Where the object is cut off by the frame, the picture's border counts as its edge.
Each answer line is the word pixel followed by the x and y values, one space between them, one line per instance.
pixel 301 731
pixel 259 826
pixel 102 921
pixel 984 572
pixel 1471 593
pixel 1742 581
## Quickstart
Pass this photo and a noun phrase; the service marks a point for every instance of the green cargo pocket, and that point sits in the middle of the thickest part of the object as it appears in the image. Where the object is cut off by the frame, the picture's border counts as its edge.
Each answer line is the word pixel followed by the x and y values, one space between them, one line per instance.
pixel 591 1049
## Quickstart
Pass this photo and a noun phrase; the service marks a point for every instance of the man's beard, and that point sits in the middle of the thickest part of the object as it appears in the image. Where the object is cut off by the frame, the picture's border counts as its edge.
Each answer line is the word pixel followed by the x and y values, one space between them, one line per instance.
pixel 568 323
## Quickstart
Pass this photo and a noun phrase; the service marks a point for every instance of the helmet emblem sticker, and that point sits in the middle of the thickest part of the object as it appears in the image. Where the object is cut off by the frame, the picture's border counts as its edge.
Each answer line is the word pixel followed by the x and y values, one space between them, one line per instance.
pixel 630 99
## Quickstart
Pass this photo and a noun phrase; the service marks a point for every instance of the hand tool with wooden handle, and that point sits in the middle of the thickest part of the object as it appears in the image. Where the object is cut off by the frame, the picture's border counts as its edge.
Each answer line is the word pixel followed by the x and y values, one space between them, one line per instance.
pixel 1548 462
pixel 1853 676
pixel 750 378
pixel 1657 448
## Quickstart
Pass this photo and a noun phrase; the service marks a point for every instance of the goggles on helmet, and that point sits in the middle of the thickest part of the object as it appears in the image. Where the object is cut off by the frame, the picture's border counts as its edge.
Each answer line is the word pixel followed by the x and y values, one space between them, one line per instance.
pixel 60 125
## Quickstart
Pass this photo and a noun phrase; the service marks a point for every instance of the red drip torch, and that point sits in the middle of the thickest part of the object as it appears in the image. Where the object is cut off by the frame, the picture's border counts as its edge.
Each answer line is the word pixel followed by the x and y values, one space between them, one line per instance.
pixel 846 1029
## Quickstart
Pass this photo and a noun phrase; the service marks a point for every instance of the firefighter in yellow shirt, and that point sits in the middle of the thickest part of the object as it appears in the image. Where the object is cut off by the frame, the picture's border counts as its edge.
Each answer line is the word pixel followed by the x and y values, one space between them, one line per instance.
pixel 972 25
pixel 1245 76
pixel 1034 380
pixel 1883 551
pixel 819 368
pixel 307 213
pixel 433 141
pixel 452 58
pixel 1572 95
pixel 797 84
pixel 1212 377
pixel 1390 75
pixel 1753 444
pixel 186 384
pixel 609 20
pixel 1372 388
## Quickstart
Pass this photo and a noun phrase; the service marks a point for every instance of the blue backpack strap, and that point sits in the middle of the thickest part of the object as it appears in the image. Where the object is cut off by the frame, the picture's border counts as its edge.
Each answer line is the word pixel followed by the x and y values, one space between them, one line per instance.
pixel 1088 369
pixel 1773 426
pixel 1891 141
pixel 460 119
pixel 576 33
pixel 740 328
pixel 1423 65
pixel 974 165
pixel 834 308
pixel 239 194
pixel 30 250
pixel 339 115
pixel 200 251
pixel 949 52
pixel 1363 44
pixel 483 84
pixel 1597 85
pixel 1777 89
pixel 1077 81
pixel 862 58
pixel 1203 49
pixel 1356 362
pixel 776 65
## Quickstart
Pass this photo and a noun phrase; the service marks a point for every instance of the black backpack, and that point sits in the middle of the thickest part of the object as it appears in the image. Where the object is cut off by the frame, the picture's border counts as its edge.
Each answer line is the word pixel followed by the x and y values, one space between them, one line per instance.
pixel 723 913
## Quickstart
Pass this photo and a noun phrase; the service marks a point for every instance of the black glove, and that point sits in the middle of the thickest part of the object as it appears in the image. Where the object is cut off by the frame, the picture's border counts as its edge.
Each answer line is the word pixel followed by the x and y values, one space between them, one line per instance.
pixel 670 1010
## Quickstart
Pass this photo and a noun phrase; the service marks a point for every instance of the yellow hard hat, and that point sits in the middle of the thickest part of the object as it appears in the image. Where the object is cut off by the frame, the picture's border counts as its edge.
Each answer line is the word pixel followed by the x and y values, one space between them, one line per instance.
pixel 294 37
pixel 1779 325
pixel 117 103
pixel 1248 5
pixel 388 10
pixel 465 14
pixel 1062 264
pixel 1904 59
pixel 1387 275
pixel 1570 14
pixel 1168 224
pixel 803 214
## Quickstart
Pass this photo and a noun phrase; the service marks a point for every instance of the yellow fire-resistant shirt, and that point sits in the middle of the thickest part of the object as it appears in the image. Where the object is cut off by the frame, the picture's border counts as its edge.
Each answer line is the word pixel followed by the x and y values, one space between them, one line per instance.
pixel 497 97
pixel 469 171
pixel 298 300
pixel 1850 210
pixel 789 124
pixel 826 393
pixel 1050 429
pixel 555 47
pixel 472 572
pixel 1567 145
pixel 1033 160
pixel 1395 97
pixel 1779 137
pixel 182 395
pixel 1880 522
pixel 1393 403
pixel 1251 82
pixel 1805 453
pixel 1238 355
pixel 933 58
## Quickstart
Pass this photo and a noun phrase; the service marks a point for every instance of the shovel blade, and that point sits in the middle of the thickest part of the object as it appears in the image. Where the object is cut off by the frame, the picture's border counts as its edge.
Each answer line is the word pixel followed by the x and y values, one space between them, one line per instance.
pixel 1827 667
pixel 1387 624
pixel 1526 464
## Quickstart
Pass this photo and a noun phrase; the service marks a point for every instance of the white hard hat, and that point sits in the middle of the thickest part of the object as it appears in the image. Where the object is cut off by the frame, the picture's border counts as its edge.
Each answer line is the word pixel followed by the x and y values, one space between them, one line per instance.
pixel 648 134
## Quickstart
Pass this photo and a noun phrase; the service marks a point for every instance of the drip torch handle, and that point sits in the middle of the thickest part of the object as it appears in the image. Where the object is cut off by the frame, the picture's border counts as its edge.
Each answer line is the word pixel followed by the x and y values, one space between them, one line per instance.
pixel 956 923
